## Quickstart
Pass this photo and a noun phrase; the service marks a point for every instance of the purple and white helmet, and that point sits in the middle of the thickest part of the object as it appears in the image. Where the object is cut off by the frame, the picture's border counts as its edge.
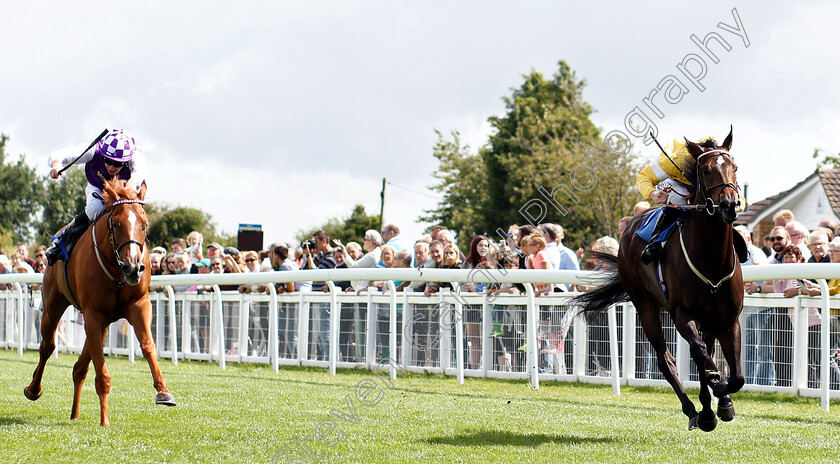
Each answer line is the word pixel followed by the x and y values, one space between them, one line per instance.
pixel 118 145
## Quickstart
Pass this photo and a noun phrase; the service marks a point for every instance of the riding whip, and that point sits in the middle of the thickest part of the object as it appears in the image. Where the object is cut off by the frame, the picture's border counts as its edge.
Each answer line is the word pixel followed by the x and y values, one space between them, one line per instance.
pixel 101 136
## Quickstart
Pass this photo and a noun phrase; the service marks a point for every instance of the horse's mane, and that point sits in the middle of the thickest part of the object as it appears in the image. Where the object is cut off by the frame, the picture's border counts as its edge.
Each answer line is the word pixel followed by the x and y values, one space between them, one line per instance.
pixel 114 190
pixel 689 164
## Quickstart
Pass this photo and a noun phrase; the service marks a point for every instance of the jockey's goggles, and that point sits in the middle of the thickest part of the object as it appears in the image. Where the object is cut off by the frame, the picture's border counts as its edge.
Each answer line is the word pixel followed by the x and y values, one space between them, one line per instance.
pixel 116 164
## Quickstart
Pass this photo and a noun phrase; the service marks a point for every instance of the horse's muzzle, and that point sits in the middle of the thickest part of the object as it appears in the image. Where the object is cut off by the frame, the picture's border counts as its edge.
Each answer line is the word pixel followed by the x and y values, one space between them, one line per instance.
pixel 728 210
pixel 133 272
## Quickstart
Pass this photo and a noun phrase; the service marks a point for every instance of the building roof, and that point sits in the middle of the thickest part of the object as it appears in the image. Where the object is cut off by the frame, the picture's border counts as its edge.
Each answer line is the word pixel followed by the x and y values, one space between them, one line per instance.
pixel 829 178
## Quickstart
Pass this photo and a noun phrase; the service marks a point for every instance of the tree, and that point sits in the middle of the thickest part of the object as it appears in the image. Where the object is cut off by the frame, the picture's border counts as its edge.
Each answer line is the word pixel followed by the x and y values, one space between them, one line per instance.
pixel 545 162
pixel 65 199
pixel 829 160
pixel 463 184
pixel 167 224
pixel 349 229
pixel 21 196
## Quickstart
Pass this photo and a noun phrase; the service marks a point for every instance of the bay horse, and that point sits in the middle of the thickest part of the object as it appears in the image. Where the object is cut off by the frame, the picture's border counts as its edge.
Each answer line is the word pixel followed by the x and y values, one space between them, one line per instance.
pixel 106 278
pixel 704 289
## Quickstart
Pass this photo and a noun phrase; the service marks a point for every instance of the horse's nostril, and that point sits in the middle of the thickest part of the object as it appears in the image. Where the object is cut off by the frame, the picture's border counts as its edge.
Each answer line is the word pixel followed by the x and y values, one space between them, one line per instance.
pixel 142 268
pixel 125 268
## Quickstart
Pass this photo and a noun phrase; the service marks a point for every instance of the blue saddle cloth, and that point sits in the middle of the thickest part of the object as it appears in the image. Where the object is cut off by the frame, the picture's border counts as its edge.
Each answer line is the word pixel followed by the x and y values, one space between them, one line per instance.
pixel 646 229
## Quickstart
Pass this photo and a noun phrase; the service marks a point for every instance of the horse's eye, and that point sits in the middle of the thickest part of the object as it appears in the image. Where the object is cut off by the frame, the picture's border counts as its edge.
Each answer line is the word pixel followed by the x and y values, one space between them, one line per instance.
pixel 705 170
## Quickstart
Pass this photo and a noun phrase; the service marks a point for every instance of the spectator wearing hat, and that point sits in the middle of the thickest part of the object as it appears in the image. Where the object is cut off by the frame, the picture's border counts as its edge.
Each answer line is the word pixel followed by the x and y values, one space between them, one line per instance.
pixel 116 156
pixel 214 249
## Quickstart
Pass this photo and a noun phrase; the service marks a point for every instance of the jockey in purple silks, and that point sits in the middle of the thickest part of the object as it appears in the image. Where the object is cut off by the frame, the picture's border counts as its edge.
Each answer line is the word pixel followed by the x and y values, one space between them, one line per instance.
pixel 115 156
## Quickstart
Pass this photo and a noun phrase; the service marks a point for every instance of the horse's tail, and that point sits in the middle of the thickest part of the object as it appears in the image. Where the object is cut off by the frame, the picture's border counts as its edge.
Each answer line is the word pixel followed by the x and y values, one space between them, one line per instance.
pixel 609 291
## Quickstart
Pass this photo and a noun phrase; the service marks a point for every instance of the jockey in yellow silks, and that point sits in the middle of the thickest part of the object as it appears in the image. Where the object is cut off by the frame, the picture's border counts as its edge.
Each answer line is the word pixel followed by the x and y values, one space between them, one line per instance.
pixel 662 182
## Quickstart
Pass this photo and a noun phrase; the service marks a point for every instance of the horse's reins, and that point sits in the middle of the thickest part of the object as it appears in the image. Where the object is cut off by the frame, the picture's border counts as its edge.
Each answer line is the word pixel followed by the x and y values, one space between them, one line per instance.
pixel 116 248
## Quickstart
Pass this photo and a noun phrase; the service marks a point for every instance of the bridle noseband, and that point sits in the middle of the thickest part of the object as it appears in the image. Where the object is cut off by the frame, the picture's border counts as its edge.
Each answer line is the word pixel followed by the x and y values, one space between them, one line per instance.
pixel 111 235
pixel 711 206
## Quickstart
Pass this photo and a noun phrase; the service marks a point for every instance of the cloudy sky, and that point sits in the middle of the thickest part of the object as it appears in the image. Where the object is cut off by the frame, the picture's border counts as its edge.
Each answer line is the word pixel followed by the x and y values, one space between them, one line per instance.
pixel 288 113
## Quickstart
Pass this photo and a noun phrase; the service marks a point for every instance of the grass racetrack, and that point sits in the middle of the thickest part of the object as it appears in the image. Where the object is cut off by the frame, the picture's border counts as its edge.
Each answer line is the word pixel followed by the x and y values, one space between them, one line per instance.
pixel 247 413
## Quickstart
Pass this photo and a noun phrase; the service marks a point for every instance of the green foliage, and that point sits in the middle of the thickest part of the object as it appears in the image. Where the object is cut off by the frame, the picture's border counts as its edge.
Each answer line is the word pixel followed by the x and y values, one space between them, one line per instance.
pixel 65 200
pixel 349 229
pixel 829 160
pixel 21 195
pixel 462 180
pixel 166 224
pixel 544 140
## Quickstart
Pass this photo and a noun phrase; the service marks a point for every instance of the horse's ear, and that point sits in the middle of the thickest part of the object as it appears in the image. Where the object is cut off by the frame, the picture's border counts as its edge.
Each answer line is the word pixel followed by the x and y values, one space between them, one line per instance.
pixel 693 148
pixel 727 144
pixel 110 193
pixel 142 193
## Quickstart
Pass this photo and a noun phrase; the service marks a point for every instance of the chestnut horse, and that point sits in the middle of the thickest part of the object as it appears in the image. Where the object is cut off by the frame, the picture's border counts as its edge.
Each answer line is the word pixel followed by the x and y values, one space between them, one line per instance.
pixel 702 278
pixel 105 277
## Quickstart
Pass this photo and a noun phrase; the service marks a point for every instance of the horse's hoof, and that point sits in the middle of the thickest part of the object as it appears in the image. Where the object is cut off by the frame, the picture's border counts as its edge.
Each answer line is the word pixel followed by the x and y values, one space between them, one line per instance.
pixel 707 425
pixel 30 395
pixel 726 412
pixel 165 398
pixel 692 422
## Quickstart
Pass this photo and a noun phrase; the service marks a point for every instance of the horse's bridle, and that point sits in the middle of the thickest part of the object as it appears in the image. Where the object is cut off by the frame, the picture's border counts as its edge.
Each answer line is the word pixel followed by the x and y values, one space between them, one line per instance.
pixel 711 206
pixel 111 236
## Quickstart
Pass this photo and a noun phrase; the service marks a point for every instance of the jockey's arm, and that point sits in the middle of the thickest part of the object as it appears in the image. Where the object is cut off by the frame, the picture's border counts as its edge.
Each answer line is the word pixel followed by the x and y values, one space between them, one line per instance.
pixel 646 183
pixel 64 156
pixel 139 169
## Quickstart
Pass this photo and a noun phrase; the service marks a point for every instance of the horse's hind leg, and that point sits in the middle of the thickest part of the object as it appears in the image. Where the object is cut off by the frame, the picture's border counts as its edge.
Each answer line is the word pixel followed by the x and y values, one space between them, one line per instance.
pixel 80 370
pixel 665 360
pixel 140 318
pixel 688 329
pixel 96 329
pixel 54 307
pixel 725 410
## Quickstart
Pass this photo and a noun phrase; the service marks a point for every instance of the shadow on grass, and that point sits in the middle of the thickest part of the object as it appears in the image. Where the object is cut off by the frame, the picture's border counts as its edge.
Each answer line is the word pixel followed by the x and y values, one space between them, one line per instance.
pixel 802 420
pixel 4 421
pixel 490 438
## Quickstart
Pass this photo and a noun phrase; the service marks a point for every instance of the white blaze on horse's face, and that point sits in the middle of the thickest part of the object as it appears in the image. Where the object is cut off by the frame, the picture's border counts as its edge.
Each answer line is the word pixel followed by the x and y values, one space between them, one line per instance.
pixel 135 252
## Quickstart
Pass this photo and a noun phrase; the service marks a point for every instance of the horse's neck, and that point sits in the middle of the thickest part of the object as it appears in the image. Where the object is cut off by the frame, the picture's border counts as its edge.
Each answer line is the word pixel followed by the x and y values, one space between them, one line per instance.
pixel 710 236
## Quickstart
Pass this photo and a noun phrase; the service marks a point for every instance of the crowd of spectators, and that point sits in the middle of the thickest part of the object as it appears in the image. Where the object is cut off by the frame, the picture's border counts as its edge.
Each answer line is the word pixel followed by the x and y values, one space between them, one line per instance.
pixel 768 332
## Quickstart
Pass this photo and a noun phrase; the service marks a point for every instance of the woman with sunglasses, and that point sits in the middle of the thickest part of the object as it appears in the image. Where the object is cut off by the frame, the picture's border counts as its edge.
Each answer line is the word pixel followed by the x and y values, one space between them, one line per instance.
pixel 115 156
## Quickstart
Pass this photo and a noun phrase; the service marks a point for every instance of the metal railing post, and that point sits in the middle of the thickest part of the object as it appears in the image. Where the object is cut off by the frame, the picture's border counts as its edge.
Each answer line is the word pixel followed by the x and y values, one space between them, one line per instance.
pixel 616 382
pixel 335 311
pixel 173 331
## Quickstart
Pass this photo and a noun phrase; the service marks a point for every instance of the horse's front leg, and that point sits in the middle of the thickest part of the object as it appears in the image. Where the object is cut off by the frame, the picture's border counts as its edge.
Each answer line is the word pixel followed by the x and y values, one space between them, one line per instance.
pixel 140 317
pixel 725 409
pixel 688 329
pixel 730 346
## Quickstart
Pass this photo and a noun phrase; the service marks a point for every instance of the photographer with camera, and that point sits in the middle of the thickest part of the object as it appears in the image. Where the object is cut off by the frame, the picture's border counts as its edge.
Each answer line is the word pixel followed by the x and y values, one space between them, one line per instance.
pixel 317 254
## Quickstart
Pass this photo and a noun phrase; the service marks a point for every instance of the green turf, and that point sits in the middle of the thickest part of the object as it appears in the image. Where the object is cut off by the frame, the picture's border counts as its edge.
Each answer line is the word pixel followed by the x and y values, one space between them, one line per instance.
pixel 247 413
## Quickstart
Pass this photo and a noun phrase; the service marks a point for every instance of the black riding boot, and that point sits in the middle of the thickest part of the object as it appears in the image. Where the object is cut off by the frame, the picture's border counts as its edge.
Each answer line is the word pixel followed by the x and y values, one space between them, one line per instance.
pixel 651 251
pixel 68 235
